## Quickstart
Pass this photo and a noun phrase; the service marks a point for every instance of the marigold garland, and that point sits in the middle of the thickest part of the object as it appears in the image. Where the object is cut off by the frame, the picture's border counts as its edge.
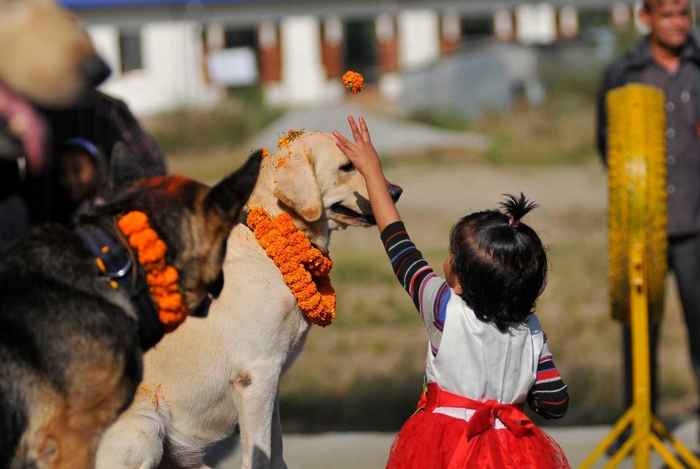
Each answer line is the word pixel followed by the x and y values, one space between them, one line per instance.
pixel 161 278
pixel 304 268
pixel 354 82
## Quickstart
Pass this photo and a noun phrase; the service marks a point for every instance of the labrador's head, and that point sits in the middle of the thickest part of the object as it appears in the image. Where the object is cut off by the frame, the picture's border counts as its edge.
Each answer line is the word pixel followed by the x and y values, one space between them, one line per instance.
pixel 318 182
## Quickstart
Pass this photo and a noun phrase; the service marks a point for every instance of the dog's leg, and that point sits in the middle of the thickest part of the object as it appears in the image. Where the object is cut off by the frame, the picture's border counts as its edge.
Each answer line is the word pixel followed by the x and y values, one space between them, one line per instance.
pixel 277 454
pixel 133 441
pixel 256 392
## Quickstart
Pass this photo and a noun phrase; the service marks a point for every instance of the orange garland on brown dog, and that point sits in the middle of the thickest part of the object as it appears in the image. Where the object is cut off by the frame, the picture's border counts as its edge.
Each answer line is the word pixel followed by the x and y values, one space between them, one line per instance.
pixel 305 269
pixel 161 278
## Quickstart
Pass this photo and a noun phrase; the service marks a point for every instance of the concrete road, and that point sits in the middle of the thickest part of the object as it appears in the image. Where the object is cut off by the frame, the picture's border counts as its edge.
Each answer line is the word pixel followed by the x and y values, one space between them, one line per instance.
pixel 370 450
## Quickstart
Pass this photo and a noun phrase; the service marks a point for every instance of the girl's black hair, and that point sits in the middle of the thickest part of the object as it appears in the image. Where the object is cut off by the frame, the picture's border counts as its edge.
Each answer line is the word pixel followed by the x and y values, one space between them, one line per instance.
pixel 500 263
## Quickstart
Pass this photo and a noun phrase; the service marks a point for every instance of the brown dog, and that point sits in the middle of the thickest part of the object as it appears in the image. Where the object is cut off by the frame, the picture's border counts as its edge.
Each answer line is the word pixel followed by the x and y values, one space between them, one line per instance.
pixel 72 332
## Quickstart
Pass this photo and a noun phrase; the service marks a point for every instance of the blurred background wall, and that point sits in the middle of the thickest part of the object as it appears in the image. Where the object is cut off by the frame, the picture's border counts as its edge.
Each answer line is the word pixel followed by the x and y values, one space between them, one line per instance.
pixel 169 54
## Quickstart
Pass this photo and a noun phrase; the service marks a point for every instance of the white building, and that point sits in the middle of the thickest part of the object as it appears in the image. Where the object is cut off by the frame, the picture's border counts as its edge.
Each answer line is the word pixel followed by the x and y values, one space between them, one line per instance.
pixel 168 54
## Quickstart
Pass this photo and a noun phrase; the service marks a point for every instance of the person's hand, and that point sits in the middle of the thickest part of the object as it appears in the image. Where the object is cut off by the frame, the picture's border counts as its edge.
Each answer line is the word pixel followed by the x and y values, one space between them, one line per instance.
pixel 361 153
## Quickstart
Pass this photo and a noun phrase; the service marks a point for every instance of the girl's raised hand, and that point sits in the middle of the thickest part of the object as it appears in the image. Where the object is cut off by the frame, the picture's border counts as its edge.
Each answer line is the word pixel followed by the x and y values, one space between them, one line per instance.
pixel 361 153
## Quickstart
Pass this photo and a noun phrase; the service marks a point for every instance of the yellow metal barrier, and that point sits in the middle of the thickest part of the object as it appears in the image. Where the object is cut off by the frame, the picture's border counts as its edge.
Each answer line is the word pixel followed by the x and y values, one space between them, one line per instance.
pixel 637 224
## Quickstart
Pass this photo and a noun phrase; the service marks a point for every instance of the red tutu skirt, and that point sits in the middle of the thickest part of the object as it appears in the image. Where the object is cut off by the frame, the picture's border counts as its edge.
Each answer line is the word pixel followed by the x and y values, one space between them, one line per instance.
pixel 429 440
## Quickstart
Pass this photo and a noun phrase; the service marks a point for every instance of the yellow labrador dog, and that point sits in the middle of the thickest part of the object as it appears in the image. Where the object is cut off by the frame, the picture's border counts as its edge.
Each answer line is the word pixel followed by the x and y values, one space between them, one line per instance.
pixel 208 376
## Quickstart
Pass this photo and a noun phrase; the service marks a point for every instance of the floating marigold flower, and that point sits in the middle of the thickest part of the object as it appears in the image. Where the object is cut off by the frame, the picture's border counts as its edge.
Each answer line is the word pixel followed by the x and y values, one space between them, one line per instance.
pixel 354 82
pixel 304 268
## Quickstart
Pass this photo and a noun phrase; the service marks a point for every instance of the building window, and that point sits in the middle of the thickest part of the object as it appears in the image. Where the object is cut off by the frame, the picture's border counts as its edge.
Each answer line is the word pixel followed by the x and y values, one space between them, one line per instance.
pixel 130 50
pixel 477 26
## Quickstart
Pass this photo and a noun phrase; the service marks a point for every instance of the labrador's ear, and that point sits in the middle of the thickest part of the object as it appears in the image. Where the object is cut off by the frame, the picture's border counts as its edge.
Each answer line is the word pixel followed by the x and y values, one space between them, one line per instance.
pixel 297 187
pixel 124 168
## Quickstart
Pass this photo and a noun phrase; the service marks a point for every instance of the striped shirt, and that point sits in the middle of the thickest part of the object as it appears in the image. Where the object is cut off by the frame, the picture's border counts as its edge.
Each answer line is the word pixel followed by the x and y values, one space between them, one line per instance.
pixel 430 293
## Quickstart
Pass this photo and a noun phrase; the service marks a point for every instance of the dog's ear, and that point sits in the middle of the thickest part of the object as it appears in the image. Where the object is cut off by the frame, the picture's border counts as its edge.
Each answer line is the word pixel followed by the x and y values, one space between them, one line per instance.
pixel 297 186
pixel 124 168
pixel 231 194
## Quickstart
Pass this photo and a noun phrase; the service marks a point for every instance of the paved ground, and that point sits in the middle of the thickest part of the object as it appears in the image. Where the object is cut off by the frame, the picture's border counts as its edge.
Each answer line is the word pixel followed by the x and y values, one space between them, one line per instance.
pixel 388 135
pixel 369 450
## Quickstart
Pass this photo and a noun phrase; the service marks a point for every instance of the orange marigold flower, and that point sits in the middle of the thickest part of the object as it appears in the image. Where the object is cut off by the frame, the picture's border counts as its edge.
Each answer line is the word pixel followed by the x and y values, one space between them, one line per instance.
pixel 153 253
pixel 133 222
pixel 354 82
pixel 167 277
pixel 143 239
pixel 170 302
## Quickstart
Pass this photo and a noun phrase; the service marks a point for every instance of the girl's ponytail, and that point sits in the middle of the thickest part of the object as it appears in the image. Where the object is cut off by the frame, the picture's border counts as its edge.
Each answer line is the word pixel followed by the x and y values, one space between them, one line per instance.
pixel 516 208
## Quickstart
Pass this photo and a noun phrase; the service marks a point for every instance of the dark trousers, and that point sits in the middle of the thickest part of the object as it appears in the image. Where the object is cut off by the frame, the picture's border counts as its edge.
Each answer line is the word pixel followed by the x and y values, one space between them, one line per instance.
pixel 684 261
pixel 14 219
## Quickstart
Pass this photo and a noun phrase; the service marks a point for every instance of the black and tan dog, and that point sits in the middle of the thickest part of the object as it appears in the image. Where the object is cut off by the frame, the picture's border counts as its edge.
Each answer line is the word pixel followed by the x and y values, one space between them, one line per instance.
pixel 71 343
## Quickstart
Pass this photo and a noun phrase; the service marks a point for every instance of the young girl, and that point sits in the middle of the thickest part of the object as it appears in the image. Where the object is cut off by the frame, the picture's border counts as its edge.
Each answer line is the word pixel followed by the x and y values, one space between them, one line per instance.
pixel 487 353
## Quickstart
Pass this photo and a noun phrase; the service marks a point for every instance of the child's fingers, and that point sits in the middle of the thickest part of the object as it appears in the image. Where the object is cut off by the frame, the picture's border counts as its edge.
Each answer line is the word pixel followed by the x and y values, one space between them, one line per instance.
pixel 341 139
pixel 342 143
pixel 355 131
pixel 364 130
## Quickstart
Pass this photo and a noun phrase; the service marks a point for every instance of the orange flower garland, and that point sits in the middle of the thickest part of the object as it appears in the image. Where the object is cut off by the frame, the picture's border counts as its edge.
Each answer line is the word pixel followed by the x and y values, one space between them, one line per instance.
pixel 304 268
pixel 354 82
pixel 161 278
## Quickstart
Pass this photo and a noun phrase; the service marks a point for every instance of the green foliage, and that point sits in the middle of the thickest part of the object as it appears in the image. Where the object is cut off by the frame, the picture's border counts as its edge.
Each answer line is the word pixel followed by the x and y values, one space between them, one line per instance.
pixel 442 118
pixel 230 124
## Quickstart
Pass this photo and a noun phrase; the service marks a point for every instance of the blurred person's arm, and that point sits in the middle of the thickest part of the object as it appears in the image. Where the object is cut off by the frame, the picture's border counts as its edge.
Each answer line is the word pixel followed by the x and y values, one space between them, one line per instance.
pixel 106 120
pixel 123 126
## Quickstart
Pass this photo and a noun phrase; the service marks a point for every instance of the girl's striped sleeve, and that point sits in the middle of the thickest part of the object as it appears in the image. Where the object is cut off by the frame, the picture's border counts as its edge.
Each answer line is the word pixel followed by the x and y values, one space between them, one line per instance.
pixel 548 397
pixel 429 292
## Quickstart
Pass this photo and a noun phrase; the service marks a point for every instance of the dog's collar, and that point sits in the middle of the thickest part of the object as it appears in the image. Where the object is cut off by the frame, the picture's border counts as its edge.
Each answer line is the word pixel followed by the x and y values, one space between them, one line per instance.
pixel 120 270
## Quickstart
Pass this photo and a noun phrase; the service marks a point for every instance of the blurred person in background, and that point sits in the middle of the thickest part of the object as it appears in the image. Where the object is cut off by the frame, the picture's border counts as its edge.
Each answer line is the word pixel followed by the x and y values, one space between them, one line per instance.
pixel 669 59
pixel 99 119
pixel 83 177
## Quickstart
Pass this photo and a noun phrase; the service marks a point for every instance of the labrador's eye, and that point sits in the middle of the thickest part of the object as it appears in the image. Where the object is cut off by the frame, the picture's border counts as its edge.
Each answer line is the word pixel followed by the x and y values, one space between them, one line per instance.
pixel 347 167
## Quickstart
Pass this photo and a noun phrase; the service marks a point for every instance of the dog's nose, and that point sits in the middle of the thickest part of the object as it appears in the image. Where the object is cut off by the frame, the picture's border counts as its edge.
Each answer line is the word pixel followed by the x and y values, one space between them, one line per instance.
pixel 94 70
pixel 395 192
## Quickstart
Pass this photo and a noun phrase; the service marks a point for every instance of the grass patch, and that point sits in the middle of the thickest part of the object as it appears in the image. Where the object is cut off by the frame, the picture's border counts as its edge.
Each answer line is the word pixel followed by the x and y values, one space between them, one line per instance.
pixel 443 118
pixel 560 133
pixel 230 124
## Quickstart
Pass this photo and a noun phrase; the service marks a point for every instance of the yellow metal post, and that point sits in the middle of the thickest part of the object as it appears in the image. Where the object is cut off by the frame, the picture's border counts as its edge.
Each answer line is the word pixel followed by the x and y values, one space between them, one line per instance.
pixel 638 115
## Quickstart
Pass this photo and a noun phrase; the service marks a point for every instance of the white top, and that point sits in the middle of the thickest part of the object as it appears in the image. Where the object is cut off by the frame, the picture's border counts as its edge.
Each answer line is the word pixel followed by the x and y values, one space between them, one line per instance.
pixel 478 361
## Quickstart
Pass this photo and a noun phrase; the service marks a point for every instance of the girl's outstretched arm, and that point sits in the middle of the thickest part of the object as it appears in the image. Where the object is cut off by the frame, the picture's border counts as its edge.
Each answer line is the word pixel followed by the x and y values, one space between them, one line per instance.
pixel 429 292
pixel 363 155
